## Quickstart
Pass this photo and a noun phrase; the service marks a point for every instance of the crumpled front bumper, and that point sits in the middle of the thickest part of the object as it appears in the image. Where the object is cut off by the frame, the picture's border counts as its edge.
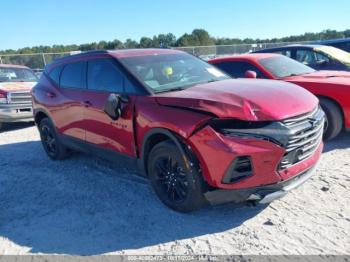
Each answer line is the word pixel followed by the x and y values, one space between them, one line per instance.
pixel 216 152
pixel 261 194
pixel 16 113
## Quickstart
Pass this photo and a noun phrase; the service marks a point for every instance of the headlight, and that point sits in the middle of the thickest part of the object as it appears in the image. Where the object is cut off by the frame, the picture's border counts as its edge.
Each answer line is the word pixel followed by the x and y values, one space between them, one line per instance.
pixel 271 131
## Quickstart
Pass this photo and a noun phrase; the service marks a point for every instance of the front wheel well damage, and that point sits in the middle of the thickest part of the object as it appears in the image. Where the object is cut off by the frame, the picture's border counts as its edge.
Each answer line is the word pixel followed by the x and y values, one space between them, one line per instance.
pixel 149 144
pixel 157 136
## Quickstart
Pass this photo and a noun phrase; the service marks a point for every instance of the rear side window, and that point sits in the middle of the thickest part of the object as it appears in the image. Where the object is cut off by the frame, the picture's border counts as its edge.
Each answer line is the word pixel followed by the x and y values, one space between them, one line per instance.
pixel 72 75
pixel 55 74
pixel 238 69
pixel 103 75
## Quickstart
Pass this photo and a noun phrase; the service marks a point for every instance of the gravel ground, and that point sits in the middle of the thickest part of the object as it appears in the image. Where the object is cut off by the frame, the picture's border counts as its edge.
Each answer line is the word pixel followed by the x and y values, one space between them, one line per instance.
pixel 86 206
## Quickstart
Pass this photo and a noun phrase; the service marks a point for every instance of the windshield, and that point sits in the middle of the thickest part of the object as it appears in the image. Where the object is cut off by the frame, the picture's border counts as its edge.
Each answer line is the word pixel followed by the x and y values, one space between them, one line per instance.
pixel 170 72
pixel 282 66
pixel 335 53
pixel 9 74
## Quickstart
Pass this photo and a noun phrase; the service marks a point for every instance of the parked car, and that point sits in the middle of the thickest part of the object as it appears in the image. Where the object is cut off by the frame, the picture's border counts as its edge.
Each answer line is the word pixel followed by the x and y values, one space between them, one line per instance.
pixel 38 72
pixel 343 44
pixel 198 135
pixel 15 99
pixel 331 87
pixel 319 57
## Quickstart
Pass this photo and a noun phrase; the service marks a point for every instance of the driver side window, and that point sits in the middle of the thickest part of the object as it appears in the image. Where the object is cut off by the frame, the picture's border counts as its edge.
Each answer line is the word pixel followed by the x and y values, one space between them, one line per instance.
pixel 103 75
pixel 238 69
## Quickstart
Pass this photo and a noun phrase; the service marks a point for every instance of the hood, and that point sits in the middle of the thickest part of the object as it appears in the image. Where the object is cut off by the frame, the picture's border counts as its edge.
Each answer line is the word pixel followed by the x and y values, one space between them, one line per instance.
pixel 16 86
pixel 328 77
pixel 245 99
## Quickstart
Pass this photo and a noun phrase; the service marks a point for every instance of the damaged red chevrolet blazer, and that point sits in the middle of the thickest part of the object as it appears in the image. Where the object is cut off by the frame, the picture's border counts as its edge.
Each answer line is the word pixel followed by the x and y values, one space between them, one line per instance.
pixel 198 135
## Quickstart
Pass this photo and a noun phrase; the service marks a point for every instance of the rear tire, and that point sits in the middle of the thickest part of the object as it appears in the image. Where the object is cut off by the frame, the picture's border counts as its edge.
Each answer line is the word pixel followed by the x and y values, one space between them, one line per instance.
pixel 50 141
pixel 334 119
pixel 178 187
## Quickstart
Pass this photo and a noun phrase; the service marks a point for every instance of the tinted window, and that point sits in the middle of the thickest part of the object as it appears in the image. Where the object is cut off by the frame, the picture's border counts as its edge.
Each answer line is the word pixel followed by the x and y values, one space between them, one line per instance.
pixel 238 69
pixel 72 75
pixel 103 75
pixel 129 87
pixel 55 74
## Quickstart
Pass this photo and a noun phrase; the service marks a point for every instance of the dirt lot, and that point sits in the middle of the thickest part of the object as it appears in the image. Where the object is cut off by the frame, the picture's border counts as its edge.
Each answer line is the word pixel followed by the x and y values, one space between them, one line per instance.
pixel 87 206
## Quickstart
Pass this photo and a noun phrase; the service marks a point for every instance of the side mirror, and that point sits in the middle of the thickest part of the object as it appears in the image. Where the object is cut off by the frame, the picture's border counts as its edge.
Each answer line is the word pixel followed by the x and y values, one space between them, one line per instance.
pixel 250 74
pixel 113 106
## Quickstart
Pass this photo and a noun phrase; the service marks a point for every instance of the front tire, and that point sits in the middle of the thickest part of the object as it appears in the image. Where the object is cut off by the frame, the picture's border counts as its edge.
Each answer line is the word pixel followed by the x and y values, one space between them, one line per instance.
pixel 334 119
pixel 177 186
pixel 49 139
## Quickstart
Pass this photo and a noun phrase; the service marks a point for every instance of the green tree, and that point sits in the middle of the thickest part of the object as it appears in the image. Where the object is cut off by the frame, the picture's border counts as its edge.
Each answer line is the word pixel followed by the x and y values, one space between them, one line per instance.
pixel 146 42
pixel 130 43
pixel 198 37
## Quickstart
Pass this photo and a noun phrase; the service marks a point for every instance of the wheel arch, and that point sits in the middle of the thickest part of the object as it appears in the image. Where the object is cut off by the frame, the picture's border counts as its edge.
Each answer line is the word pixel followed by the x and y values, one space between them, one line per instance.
pixel 40 114
pixel 157 135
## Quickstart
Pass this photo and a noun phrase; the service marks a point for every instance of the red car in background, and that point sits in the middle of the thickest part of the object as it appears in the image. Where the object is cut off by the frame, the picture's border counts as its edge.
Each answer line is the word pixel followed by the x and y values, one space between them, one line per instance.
pixel 331 87
pixel 197 134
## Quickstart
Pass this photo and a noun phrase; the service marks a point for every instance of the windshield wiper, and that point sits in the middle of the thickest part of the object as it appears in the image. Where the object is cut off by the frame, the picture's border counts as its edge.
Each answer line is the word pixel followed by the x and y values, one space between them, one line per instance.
pixel 212 80
pixel 185 87
pixel 292 75
pixel 171 89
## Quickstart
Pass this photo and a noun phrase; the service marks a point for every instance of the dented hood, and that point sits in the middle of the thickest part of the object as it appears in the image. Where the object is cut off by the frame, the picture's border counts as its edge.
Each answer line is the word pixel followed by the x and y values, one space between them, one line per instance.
pixel 245 99
pixel 16 86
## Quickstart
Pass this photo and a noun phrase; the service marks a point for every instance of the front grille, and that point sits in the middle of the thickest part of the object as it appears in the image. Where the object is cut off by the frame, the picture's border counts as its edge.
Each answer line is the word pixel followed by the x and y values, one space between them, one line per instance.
pixel 306 135
pixel 22 97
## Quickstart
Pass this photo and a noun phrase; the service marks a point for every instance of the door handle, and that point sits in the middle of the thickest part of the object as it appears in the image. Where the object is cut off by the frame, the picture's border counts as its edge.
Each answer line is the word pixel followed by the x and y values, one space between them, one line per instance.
pixel 87 103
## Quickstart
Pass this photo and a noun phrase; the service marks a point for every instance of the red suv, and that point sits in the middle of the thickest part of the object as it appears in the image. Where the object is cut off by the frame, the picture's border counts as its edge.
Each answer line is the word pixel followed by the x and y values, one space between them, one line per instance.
pixel 197 134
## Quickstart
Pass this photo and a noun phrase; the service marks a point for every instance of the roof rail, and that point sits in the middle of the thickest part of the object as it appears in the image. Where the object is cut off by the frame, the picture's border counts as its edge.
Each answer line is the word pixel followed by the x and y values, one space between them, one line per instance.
pixel 81 54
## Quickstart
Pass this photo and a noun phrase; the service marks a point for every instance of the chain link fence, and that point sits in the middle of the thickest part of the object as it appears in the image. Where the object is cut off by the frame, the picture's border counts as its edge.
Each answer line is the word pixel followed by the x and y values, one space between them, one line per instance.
pixel 39 60
pixel 34 61
pixel 221 50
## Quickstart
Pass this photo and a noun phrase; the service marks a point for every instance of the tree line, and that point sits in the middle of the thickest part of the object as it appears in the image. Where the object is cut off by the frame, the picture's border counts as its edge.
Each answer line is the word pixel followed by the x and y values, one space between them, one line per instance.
pixel 198 37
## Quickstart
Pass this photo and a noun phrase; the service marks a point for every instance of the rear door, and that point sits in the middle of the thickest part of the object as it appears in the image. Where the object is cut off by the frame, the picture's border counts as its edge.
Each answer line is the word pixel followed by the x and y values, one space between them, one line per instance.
pixel 68 113
pixel 104 77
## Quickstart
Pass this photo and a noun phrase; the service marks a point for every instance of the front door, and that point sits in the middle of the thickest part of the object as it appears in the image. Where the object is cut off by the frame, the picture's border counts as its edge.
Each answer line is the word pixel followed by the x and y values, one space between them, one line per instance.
pixel 105 78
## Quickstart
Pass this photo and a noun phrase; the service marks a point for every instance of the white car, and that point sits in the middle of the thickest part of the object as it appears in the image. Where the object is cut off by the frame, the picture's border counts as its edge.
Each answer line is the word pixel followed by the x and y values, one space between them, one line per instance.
pixel 16 83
